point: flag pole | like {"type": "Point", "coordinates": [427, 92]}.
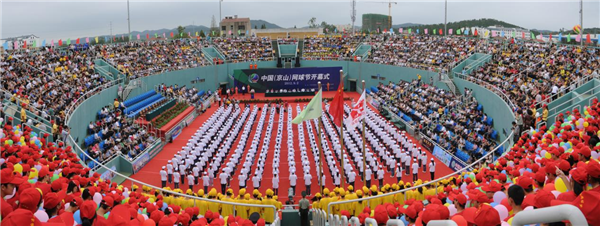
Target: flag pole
{"type": "Point", "coordinates": [320, 148]}
{"type": "Point", "coordinates": [342, 130]}
{"type": "Point", "coordinates": [363, 138]}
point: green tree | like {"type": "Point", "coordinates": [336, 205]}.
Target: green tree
{"type": "Point", "coordinates": [255, 27]}
{"type": "Point", "coordinates": [312, 23]}
{"type": "Point", "coordinates": [263, 26]}
{"type": "Point", "coordinates": [327, 28]}
{"type": "Point", "coordinates": [202, 33]}
{"type": "Point", "coordinates": [180, 30]}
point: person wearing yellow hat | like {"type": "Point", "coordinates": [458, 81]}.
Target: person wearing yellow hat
{"type": "Point", "coordinates": [213, 206]}
{"type": "Point", "coordinates": [269, 214]}
{"type": "Point", "coordinates": [256, 200]}
{"type": "Point", "coordinates": [242, 211]}
{"type": "Point", "coordinates": [316, 201]}
{"type": "Point", "coordinates": [202, 205]}
{"type": "Point", "coordinates": [227, 209]}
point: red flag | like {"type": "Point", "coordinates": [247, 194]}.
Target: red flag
{"type": "Point", "coordinates": [60, 42]}
{"type": "Point", "coordinates": [358, 110]}
{"type": "Point", "coordinates": [336, 109]}
{"type": "Point", "coordinates": [550, 39]}
{"type": "Point", "coordinates": [24, 44]}
{"type": "Point", "coordinates": [147, 36]}
{"type": "Point", "coordinates": [441, 32]}
{"type": "Point", "coordinates": [588, 39]}
{"type": "Point", "coordinates": [77, 42]}
{"type": "Point", "coordinates": [476, 34]}
{"type": "Point", "coordinates": [171, 34]}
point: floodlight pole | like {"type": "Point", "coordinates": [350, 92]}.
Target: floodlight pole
{"type": "Point", "coordinates": [128, 22]}
{"type": "Point", "coordinates": [581, 22]}
{"type": "Point", "coordinates": [446, 17]}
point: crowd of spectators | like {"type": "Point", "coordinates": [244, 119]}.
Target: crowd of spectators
{"type": "Point", "coordinates": [422, 52]}
{"type": "Point", "coordinates": [453, 122]}
{"type": "Point", "coordinates": [245, 49]}
{"type": "Point", "coordinates": [329, 47]}
{"type": "Point", "coordinates": [533, 74]}
{"type": "Point", "coordinates": [113, 133]}
{"type": "Point", "coordinates": [139, 59]}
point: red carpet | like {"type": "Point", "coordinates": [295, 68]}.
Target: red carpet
{"type": "Point", "coordinates": [150, 172]}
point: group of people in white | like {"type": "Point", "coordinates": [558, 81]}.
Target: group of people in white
{"type": "Point", "coordinates": [388, 152]}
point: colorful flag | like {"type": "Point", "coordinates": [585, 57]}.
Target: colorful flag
{"type": "Point", "coordinates": [77, 41]}
{"type": "Point", "coordinates": [550, 39]}
{"type": "Point", "coordinates": [44, 43]}
{"type": "Point", "coordinates": [578, 38]}
{"type": "Point", "coordinates": [138, 37]}
{"type": "Point", "coordinates": [199, 35]}
{"type": "Point", "coordinates": [502, 34]}
{"type": "Point", "coordinates": [213, 32]}
{"type": "Point", "coordinates": [5, 45]}
{"type": "Point", "coordinates": [313, 110]}
{"type": "Point", "coordinates": [16, 45]}
{"type": "Point", "coordinates": [441, 32]}
{"type": "Point", "coordinates": [560, 37]}
{"type": "Point", "coordinates": [417, 31]}
{"type": "Point", "coordinates": [523, 35]}
{"type": "Point", "coordinates": [486, 33]}
{"type": "Point", "coordinates": [96, 39]}
{"type": "Point", "coordinates": [87, 39]}
{"type": "Point", "coordinates": [129, 38]}
{"type": "Point", "coordinates": [336, 109]}
{"type": "Point", "coordinates": [569, 38]}
{"type": "Point", "coordinates": [190, 34]}
{"type": "Point", "coordinates": [171, 34]}
{"type": "Point", "coordinates": [467, 31]}
{"type": "Point", "coordinates": [34, 43]}
{"type": "Point", "coordinates": [164, 35]}
{"type": "Point", "coordinates": [147, 35]}
{"type": "Point", "coordinates": [24, 44]}
{"type": "Point", "coordinates": [514, 34]}
{"type": "Point", "coordinates": [476, 34]}
{"type": "Point", "coordinates": [458, 31]}
{"type": "Point", "coordinates": [434, 31]}
{"type": "Point", "coordinates": [69, 41]}
{"type": "Point", "coordinates": [358, 110]}
{"type": "Point", "coordinates": [410, 30]}
{"type": "Point", "coordinates": [52, 43]}
{"type": "Point", "coordinates": [532, 35]}
{"type": "Point", "coordinates": [450, 31]}
{"type": "Point", "coordinates": [400, 30]}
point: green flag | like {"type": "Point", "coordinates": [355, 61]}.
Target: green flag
{"type": "Point", "coordinates": [458, 31]}
{"type": "Point", "coordinates": [569, 38]}
{"type": "Point", "coordinates": [129, 38]}
{"type": "Point", "coordinates": [532, 35]}
{"type": "Point", "coordinates": [513, 34]}
{"type": "Point", "coordinates": [69, 41]}
{"type": "Point", "coordinates": [213, 32]}
{"type": "Point", "coordinates": [34, 43]}
{"type": "Point", "coordinates": [434, 31]}
{"type": "Point", "coordinates": [155, 35]}
{"type": "Point", "coordinates": [313, 110]}
{"type": "Point", "coordinates": [409, 30]}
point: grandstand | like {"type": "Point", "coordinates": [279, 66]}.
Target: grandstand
{"type": "Point", "coordinates": [457, 131]}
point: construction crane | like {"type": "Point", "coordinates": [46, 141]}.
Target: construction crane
{"type": "Point", "coordinates": [389, 11]}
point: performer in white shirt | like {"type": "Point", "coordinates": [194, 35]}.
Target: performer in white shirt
{"type": "Point", "coordinates": [242, 180]}
{"type": "Point", "coordinates": [399, 172]}
{"type": "Point", "coordinates": [351, 178]}
{"type": "Point", "coordinates": [415, 169]}
{"type": "Point", "coordinates": [275, 184]}
{"type": "Point", "coordinates": [380, 176]}
{"type": "Point", "coordinates": [432, 169]}
{"type": "Point", "coordinates": [176, 178]}
{"type": "Point", "coordinates": [307, 182]}
{"type": "Point", "coordinates": [163, 177]}
{"type": "Point", "coordinates": [293, 179]}
{"type": "Point", "coordinates": [368, 174]}
{"type": "Point", "coordinates": [223, 177]}
{"type": "Point", "coordinates": [170, 172]}
{"type": "Point", "coordinates": [191, 183]}
{"type": "Point", "coordinates": [205, 181]}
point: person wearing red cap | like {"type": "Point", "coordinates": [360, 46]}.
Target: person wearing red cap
{"type": "Point", "coordinates": [51, 204]}
{"type": "Point", "coordinates": [30, 200]}
{"type": "Point", "coordinates": [460, 202]}
{"type": "Point", "coordinates": [44, 180]}
{"type": "Point", "coordinates": [486, 215]}
{"type": "Point", "coordinates": [9, 181]}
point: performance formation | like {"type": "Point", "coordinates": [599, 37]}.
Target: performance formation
{"type": "Point", "coordinates": [413, 125]}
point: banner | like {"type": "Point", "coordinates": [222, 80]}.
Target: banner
{"type": "Point", "coordinates": [140, 162]}
{"type": "Point", "coordinates": [426, 143]}
{"type": "Point", "coordinates": [276, 79]}
{"type": "Point", "coordinates": [456, 165]}
{"type": "Point", "coordinates": [108, 175]}
{"type": "Point", "coordinates": [441, 155]}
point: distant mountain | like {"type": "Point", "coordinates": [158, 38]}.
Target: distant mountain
{"type": "Point", "coordinates": [259, 23]}
{"type": "Point", "coordinates": [484, 22]}
{"type": "Point", "coordinates": [405, 25]}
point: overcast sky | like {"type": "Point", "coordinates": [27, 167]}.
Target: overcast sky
{"type": "Point", "coordinates": [71, 19]}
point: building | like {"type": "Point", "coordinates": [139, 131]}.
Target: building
{"type": "Point", "coordinates": [344, 27]}
{"type": "Point", "coordinates": [296, 33]}
{"type": "Point", "coordinates": [21, 40]}
{"type": "Point", "coordinates": [372, 22]}
{"type": "Point", "coordinates": [235, 27]}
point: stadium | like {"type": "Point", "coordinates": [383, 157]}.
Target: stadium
{"type": "Point", "coordinates": [402, 126]}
